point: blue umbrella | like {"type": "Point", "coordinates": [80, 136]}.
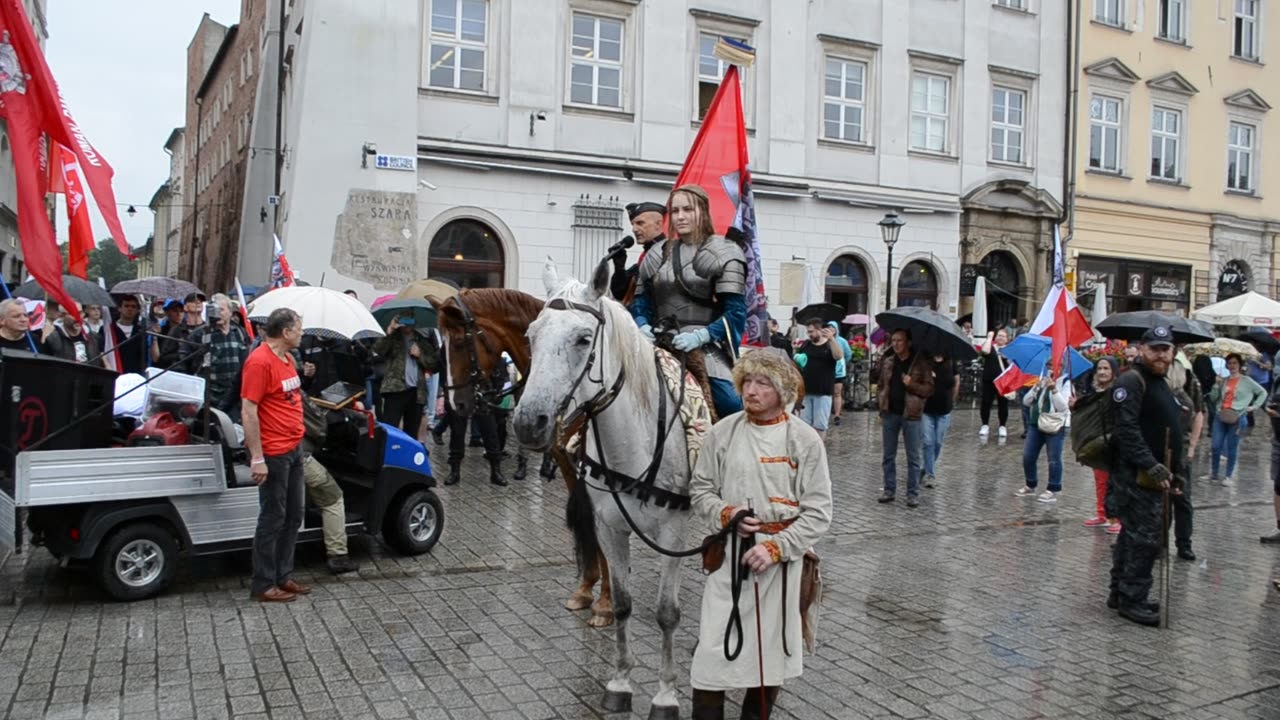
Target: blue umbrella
{"type": "Point", "coordinates": [1031, 354]}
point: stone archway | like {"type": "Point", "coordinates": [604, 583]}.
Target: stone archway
{"type": "Point", "coordinates": [468, 253]}
{"type": "Point", "coordinates": [918, 285]}
{"type": "Point", "coordinates": [1000, 268]}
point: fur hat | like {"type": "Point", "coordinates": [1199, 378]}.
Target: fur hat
{"type": "Point", "coordinates": [773, 364]}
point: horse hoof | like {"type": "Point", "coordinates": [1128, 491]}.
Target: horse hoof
{"type": "Point", "coordinates": [616, 702]}
{"type": "Point", "coordinates": [664, 712]}
{"type": "Point", "coordinates": [599, 620]}
{"type": "Point", "coordinates": [578, 601]}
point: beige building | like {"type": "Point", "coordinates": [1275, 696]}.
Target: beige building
{"type": "Point", "coordinates": [1174, 117]}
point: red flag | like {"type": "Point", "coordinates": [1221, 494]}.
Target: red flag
{"type": "Point", "coordinates": [1012, 380]}
{"type": "Point", "coordinates": [1060, 319]}
{"type": "Point", "coordinates": [718, 159]}
{"type": "Point", "coordinates": [31, 103]}
{"type": "Point", "coordinates": [67, 181]}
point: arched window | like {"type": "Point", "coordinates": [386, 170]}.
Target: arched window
{"type": "Point", "coordinates": [1233, 280]}
{"type": "Point", "coordinates": [469, 253]}
{"type": "Point", "coordinates": [1003, 280]}
{"type": "Point", "coordinates": [846, 284]}
{"type": "Point", "coordinates": [917, 285]}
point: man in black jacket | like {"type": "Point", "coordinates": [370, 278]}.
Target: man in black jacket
{"type": "Point", "coordinates": [128, 336]}
{"type": "Point", "coordinates": [646, 226]}
{"type": "Point", "coordinates": [1147, 461]}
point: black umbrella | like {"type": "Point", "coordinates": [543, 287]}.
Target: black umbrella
{"type": "Point", "coordinates": [1262, 339]}
{"type": "Point", "coordinates": [82, 291]}
{"type": "Point", "coordinates": [1131, 325]}
{"type": "Point", "coordinates": [931, 332]}
{"type": "Point", "coordinates": [156, 287]}
{"type": "Point", "coordinates": [824, 311]}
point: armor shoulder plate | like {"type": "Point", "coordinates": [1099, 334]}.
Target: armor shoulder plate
{"type": "Point", "coordinates": [723, 262]}
{"type": "Point", "coordinates": [647, 269]}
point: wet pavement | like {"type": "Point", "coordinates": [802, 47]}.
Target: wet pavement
{"type": "Point", "coordinates": [975, 605]}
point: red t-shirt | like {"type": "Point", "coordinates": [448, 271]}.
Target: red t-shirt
{"type": "Point", "coordinates": [272, 382]}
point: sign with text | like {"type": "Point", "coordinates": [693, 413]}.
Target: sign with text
{"type": "Point", "coordinates": [396, 162]}
{"type": "Point", "coordinates": [968, 279]}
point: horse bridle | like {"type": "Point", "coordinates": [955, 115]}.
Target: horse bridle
{"type": "Point", "coordinates": [597, 403]}
{"type": "Point", "coordinates": [482, 385]}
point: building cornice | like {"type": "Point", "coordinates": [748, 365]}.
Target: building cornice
{"type": "Point", "coordinates": [1173, 82]}
{"type": "Point", "coordinates": [848, 42]}
{"type": "Point", "coordinates": [714, 16]}
{"type": "Point", "coordinates": [1168, 213]}
{"type": "Point", "coordinates": [1247, 99]}
{"type": "Point", "coordinates": [1112, 68]}
{"type": "Point", "coordinates": [934, 57]}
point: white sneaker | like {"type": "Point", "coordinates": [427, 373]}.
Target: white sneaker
{"type": "Point", "coordinates": [1003, 433]}
{"type": "Point", "coordinates": [1048, 496]}
{"type": "Point", "coordinates": [1024, 492]}
{"type": "Point", "coordinates": [984, 431]}
{"type": "Point", "coordinates": [1226, 481]}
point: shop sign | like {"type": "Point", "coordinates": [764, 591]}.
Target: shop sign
{"type": "Point", "coordinates": [968, 279]}
{"type": "Point", "coordinates": [1135, 283]}
{"type": "Point", "coordinates": [1233, 280]}
{"type": "Point", "coordinates": [1166, 287]}
{"type": "Point", "coordinates": [1090, 279]}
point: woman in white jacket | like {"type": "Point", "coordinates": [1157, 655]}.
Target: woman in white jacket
{"type": "Point", "coordinates": [1048, 429]}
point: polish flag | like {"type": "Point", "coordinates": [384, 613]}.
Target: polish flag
{"type": "Point", "coordinates": [1012, 380]}
{"type": "Point", "coordinates": [1060, 319]}
{"type": "Point", "coordinates": [244, 309]}
{"type": "Point", "coordinates": [281, 273]}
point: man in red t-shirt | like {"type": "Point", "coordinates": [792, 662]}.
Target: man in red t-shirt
{"type": "Point", "coordinates": [273, 429]}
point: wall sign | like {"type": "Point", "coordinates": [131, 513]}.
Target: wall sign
{"type": "Point", "coordinates": [968, 279]}
{"type": "Point", "coordinates": [1135, 283]}
{"type": "Point", "coordinates": [396, 162]}
{"type": "Point", "coordinates": [1233, 280]}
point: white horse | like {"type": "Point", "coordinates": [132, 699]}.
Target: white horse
{"type": "Point", "coordinates": [589, 356]}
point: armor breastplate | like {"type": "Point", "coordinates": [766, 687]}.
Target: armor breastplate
{"type": "Point", "coordinates": [688, 298]}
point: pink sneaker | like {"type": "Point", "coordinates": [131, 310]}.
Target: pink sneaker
{"type": "Point", "coordinates": [1114, 528]}
{"type": "Point", "coordinates": [1097, 521]}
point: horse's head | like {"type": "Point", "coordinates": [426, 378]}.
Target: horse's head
{"type": "Point", "coordinates": [471, 352]}
{"type": "Point", "coordinates": [578, 340]}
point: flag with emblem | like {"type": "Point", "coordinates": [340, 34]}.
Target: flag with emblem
{"type": "Point", "coordinates": [1060, 319]}
{"type": "Point", "coordinates": [719, 163]}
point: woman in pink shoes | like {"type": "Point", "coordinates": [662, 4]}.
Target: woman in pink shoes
{"type": "Point", "coordinates": [1104, 375]}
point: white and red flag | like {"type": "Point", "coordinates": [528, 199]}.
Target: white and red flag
{"type": "Point", "coordinates": [281, 273]}
{"type": "Point", "coordinates": [1060, 319]}
{"type": "Point", "coordinates": [244, 309]}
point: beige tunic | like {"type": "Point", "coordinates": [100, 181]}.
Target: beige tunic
{"type": "Point", "coordinates": [782, 470]}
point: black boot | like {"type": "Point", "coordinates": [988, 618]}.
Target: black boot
{"type": "Point", "coordinates": [495, 473]}
{"type": "Point", "coordinates": [751, 709]}
{"type": "Point", "coordinates": [522, 467]}
{"type": "Point", "coordinates": [708, 705]}
{"type": "Point", "coordinates": [1141, 613]}
{"type": "Point", "coordinates": [455, 473]}
{"type": "Point", "coordinates": [1114, 600]}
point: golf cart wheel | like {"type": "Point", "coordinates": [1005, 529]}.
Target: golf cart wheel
{"type": "Point", "coordinates": [415, 522]}
{"type": "Point", "coordinates": [138, 561]}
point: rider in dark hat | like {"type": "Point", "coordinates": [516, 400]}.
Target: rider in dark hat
{"type": "Point", "coordinates": [646, 224]}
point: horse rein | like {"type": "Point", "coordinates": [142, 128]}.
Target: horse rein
{"type": "Point", "coordinates": [482, 386]}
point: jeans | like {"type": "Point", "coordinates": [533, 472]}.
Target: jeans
{"type": "Point", "coordinates": [816, 411]}
{"type": "Point", "coordinates": [724, 397]}
{"type": "Point", "coordinates": [1226, 441]}
{"type": "Point", "coordinates": [279, 517]}
{"type": "Point", "coordinates": [1031, 457]}
{"type": "Point", "coordinates": [890, 426]}
{"type": "Point", "coordinates": [433, 388]}
{"type": "Point", "coordinates": [934, 429]}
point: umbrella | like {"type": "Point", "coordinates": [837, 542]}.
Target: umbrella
{"type": "Point", "coordinates": [82, 291]}
{"type": "Point", "coordinates": [380, 301]}
{"type": "Point", "coordinates": [931, 331]}
{"type": "Point", "coordinates": [1031, 353]}
{"type": "Point", "coordinates": [826, 312]}
{"type": "Point", "coordinates": [156, 287]}
{"type": "Point", "coordinates": [1223, 347]}
{"type": "Point", "coordinates": [811, 290]}
{"type": "Point", "coordinates": [424, 316]}
{"type": "Point", "coordinates": [856, 319]}
{"type": "Point", "coordinates": [1243, 310]}
{"type": "Point", "coordinates": [980, 319]}
{"type": "Point", "coordinates": [325, 312]}
{"type": "Point", "coordinates": [1262, 339]}
{"type": "Point", "coordinates": [1131, 325]}
{"type": "Point", "coordinates": [1099, 310]}
{"type": "Point", "coordinates": [420, 289]}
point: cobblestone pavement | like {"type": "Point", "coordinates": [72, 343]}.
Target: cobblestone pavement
{"type": "Point", "coordinates": [975, 605]}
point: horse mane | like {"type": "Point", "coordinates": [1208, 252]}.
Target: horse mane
{"type": "Point", "coordinates": [496, 303]}
{"type": "Point", "coordinates": [625, 343]}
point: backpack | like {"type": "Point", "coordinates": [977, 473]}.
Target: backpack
{"type": "Point", "coordinates": [1091, 423]}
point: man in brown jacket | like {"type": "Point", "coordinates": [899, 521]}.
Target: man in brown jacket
{"type": "Point", "coordinates": [906, 381]}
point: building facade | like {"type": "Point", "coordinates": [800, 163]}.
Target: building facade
{"type": "Point", "coordinates": [222, 81]}
{"type": "Point", "coordinates": [1174, 118]}
{"type": "Point", "coordinates": [167, 206]}
{"type": "Point", "coordinates": [479, 137]}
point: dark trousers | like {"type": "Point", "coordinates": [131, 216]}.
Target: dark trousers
{"type": "Point", "coordinates": [1135, 552]}
{"type": "Point", "coordinates": [1182, 511]}
{"type": "Point", "coordinates": [402, 406]}
{"type": "Point", "coordinates": [279, 516]}
{"type": "Point", "coordinates": [458, 436]}
{"type": "Point", "coordinates": [989, 396]}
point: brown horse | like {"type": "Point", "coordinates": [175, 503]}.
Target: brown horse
{"type": "Point", "coordinates": [478, 326]}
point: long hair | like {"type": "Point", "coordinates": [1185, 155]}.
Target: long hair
{"type": "Point", "coordinates": [701, 205]}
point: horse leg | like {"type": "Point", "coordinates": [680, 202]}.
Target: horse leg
{"type": "Point", "coordinates": [617, 547]}
{"type": "Point", "coordinates": [666, 704]}
{"type": "Point", "coordinates": [602, 609]}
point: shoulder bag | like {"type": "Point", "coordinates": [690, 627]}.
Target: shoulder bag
{"type": "Point", "coordinates": [1049, 422]}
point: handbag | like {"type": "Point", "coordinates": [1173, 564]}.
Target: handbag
{"type": "Point", "coordinates": [1049, 422]}
{"type": "Point", "coordinates": [1228, 416]}
{"type": "Point", "coordinates": [1000, 359]}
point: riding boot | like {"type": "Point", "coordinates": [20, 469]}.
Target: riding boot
{"type": "Point", "coordinates": [708, 704]}
{"type": "Point", "coordinates": [495, 472]}
{"type": "Point", "coordinates": [751, 703]}
{"type": "Point", "coordinates": [455, 473]}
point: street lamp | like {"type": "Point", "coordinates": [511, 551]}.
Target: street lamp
{"type": "Point", "coordinates": [890, 226]}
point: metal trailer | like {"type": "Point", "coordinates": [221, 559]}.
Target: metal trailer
{"type": "Point", "coordinates": [130, 514]}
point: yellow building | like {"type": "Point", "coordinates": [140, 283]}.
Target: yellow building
{"type": "Point", "coordinates": [1176, 203]}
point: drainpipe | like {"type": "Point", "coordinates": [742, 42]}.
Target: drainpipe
{"type": "Point", "coordinates": [275, 219]}
{"type": "Point", "coordinates": [1074, 31]}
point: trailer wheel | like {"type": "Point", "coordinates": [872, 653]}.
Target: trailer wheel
{"type": "Point", "coordinates": [137, 561]}
{"type": "Point", "coordinates": [414, 522]}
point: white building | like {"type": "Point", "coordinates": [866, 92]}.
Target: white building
{"type": "Point", "coordinates": [533, 121]}
{"type": "Point", "coordinates": [168, 208]}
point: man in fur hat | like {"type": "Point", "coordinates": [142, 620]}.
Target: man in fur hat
{"type": "Point", "coordinates": [771, 462]}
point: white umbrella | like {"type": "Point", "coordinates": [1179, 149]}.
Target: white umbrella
{"type": "Point", "coordinates": [980, 308]}
{"type": "Point", "coordinates": [325, 312]}
{"type": "Point", "coordinates": [811, 291]}
{"type": "Point", "coordinates": [1244, 310]}
{"type": "Point", "coordinates": [1099, 312]}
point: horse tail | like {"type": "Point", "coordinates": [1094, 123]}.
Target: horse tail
{"type": "Point", "coordinates": [580, 518]}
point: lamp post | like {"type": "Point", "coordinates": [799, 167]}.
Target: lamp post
{"type": "Point", "coordinates": [890, 226]}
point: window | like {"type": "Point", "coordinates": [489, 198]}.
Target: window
{"type": "Point", "coordinates": [459, 37]}
{"type": "Point", "coordinates": [1240, 141]}
{"type": "Point", "coordinates": [596, 72]}
{"type": "Point", "coordinates": [1173, 20]}
{"type": "Point", "coordinates": [1246, 30]}
{"type": "Point", "coordinates": [1104, 134]}
{"type": "Point", "coordinates": [1015, 4]}
{"type": "Point", "coordinates": [844, 97]}
{"type": "Point", "coordinates": [1110, 12]}
{"type": "Point", "coordinates": [711, 70]}
{"type": "Point", "coordinates": [930, 105]}
{"type": "Point", "coordinates": [1166, 126]}
{"type": "Point", "coordinates": [1008, 123]}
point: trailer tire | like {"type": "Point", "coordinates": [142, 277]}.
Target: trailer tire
{"type": "Point", "coordinates": [137, 561]}
{"type": "Point", "coordinates": [414, 522]}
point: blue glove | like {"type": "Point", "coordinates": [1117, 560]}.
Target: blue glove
{"type": "Point", "coordinates": [684, 342]}
{"type": "Point", "coordinates": [647, 331]}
